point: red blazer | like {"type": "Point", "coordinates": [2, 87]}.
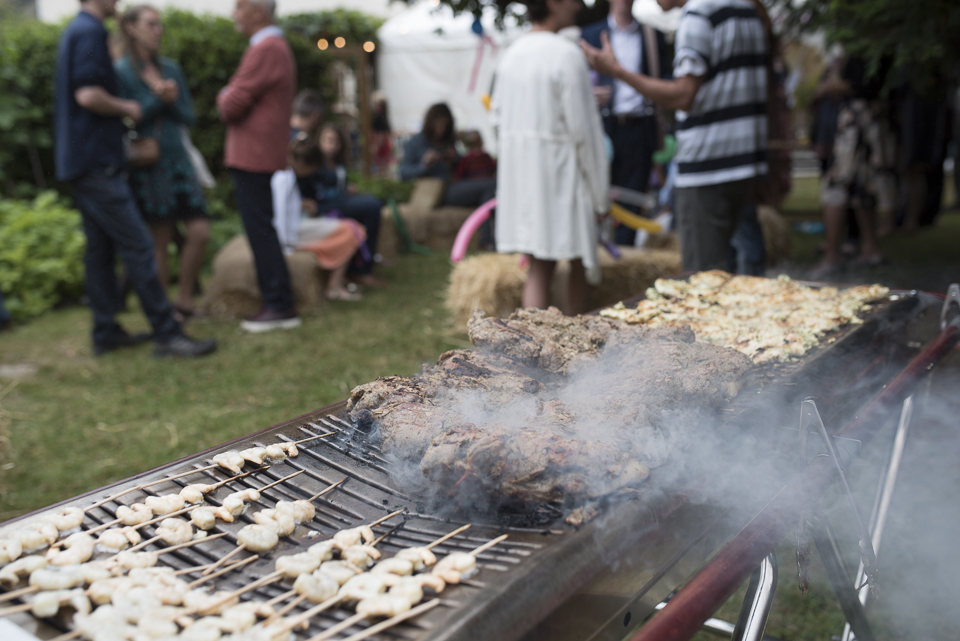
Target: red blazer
{"type": "Point", "coordinates": [256, 106]}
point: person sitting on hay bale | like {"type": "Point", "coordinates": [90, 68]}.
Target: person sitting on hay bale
{"type": "Point", "coordinates": [332, 240]}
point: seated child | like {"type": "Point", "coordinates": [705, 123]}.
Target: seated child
{"type": "Point", "coordinates": [330, 192]}
{"type": "Point", "coordinates": [331, 240]}
{"type": "Point", "coordinates": [476, 163]}
{"type": "Point", "coordinates": [307, 113]}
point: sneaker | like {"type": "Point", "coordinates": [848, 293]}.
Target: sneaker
{"type": "Point", "coordinates": [184, 347]}
{"type": "Point", "coordinates": [121, 338]}
{"type": "Point", "coordinates": [268, 320]}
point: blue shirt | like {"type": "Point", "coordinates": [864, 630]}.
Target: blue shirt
{"type": "Point", "coordinates": [82, 139]}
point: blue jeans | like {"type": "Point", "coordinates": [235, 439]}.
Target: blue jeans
{"type": "Point", "coordinates": [113, 226]}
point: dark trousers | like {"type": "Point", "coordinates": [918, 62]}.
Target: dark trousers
{"type": "Point", "coordinates": [255, 202]}
{"type": "Point", "coordinates": [113, 225]}
{"type": "Point", "coordinates": [747, 255]}
{"type": "Point", "coordinates": [366, 210]}
{"type": "Point", "coordinates": [707, 217]}
{"type": "Point", "coordinates": [634, 141]}
{"type": "Point", "coordinates": [473, 193]}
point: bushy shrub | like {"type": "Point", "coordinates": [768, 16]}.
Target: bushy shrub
{"type": "Point", "coordinates": [28, 52]}
{"type": "Point", "coordinates": [41, 254]}
{"type": "Point", "coordinates": [207, 47]}
{"type": "Point", "coordinates": [354, 26]}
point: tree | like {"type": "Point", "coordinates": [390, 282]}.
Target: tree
{"type": "Point", "coordinates": [920, 35]}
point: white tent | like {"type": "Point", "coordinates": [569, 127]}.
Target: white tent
{"type": "Point", "coordinates": [428, 55]}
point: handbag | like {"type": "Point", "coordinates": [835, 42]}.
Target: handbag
{"type": "Point", "coordinates": [142, 151]}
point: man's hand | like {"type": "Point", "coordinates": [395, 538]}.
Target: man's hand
{"type": "Point", "coordinates": [309, 206]}
{"type": "Point", "coordinates": [602, 95]}
{"type": "Point", "coordinates": [602, 60]}
{"type": "Point", "coordinates": [133, 110]}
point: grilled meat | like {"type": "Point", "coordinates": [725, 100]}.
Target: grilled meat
{"type": "Point", "coordinates": [560, 414]}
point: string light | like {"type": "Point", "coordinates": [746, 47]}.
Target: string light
{"type": "Point", "coordinates": [322, 44]}
{"type": "Point", "coordinates": [339, 42]}
{"type": "Point", "coordinates": [369, 46]}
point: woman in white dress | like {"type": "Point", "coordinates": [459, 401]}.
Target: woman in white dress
{"type": "Point", "coordinates": [553, 172]}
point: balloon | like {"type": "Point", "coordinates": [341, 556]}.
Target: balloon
{"type": "Point", "coordinates": [469, 227]}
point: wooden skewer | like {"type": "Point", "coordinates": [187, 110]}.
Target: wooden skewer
{"type": "Point", "coordinates": [311, 438]}
{"type": "Point", "coordinates": [335, 630]}
{"type": "Point", "coordinates": [283, 597]}
{"type": "Point", "coordinates": [135, 527]}
{"type": "Point", "coordinates": [290, 624]}
{"type": "Point", "coordinates": [446, 537]}
{"type": "Point", "coordinates": [187, 544]}
{"type": "Point", "coordinates": [380, 538]}
{"type": "Point", "coordinates": [262, 581]}
{"type": "Point", "coordinates": [328, 489]}
{"type": "Point", "coordinates": [223, 570]}
{"type": "Point", "coordinates": [392, 621]}
{"type": "Point", "coordinates": [486, 546]}
{"type": "Point", "coordinates": [387, 517]}
{"type": "Point", "coordinates": [16, 593]}
{"type": "Point", "coordinates": [198, 568]}
{"type": "Point", "coordinates": [290, 606]}
{"type": "Point", "coordinates": [213, 566]}
{"type": "Point", "coordinates": [277, 482]}
{"type": "Point", "coordinates": [102, 526]}
{"type": "Point", "coordinates": [15, 609]}
{"type": "Point", "coordinates": [143, 544]}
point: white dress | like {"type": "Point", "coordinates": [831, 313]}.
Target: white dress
{"type": "Point", "coordinates": [552, 169]}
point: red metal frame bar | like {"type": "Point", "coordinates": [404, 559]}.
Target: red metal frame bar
{"type": "Point", "coordinates": [686, 612]}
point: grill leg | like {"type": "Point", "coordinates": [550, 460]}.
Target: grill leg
{"type": "Point", "coordinates": [758, 601]}
{"type": "Point", "coordinates": [843, 587]}
{"type": "Point", "coordinates": [881, 505]}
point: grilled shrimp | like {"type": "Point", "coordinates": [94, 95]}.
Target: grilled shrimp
{"type": "Point", "coordinates": [166, 504]}
{"type": "Point", "coordinates": [135, 514]}
{"type": "Point", "coordinates": [257, 538]}
{"type": "Point", "coordinates": [230, 461]}
{"type": "Point", "coordinates": [317, 587]}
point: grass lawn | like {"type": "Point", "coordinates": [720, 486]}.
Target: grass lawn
{"type": "Point", "coordinates": [73, 422]}
{"type": "Point", "coordinates": [80, 422]}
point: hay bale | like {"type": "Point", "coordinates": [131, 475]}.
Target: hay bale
{"type": "Point", "coordinates": [233, 291]}
{"type": "Point", "coordinates": [435, 228]}
{"type": "Point", "coordinates": [776, 235]}
{"type": "Point", "coordinates": [493, 283]}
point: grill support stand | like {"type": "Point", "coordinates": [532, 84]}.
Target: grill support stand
{"type": "Point", "coordinates": [758, 601]}
{"type": "Point", "coordinates": [686, 612]}
{"type": "Point", "coordinates": [881, 503]}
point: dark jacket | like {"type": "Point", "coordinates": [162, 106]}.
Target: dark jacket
{"type": "Point", "coordinates": [591, 33]}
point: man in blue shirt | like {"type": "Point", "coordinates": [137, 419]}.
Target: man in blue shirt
{"type": "Point", "coordinates": [88, 135]}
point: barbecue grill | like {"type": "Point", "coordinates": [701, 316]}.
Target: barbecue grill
{"type": "Point", "coordinates": [545, 581]}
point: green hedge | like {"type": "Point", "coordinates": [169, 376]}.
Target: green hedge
{"type": "Point", "coordinates": [208, 48]}
{"type": "Point", "coordinates": [41, 254]}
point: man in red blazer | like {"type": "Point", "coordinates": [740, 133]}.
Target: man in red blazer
{"type": "Point", "coordinates": [256, 107]}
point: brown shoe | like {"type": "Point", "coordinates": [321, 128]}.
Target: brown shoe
{"type": "Point", "coordinates": [370, 280]}
{"type": "Point", "coordinates": [268, 320]}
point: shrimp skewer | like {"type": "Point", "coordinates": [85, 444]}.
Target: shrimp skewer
{"type": "Point", "coordinates": [302, 596]}
{"type": "Point", "coordinates": [402, 603]}
{"type": "Point", "coordinates": [146, 485]}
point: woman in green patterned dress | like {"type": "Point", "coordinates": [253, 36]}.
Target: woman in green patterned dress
{"type": "Point", "coordinates": [167, 192]}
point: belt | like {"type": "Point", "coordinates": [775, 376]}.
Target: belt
{"type": "Point", "coordinates": [623, 119]}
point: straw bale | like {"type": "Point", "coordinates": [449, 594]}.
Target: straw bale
{"type": "Point", "coordinates": [435, 228]}
{"type": "Point", "coordinates": [493, 283]}
{"type": "Point", "coordinates": [776, 234]}
{"type": "Point", "coordinates": [488, 282]}
{"type": "Point", "coordinates": [667, 240]}
{"type": "Point", "coordinates": [233, 291]}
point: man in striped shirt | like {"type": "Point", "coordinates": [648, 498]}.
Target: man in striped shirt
{"type": "Point", "coordinates": [720, 92]}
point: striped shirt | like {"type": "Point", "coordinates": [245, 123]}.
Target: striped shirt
{"type": "Point", "coordinates": [723, 137]}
